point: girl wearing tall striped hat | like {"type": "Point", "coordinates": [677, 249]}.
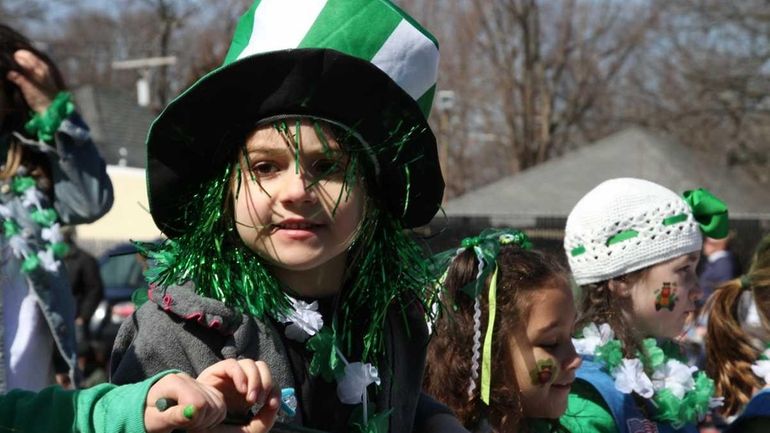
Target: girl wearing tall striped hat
{"type": "Point", "coordinates": [633, 247]}
{"type": "Point", "coordinates": [285, 180]}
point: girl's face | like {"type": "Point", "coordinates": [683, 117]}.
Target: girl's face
{"type": "Point", "coordinates": [543, 356]}
{"type": "Point", "coordinates": [664, 296]}
{"type": "Point", "coordinates": [285, 205]}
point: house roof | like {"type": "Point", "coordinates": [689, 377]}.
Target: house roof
{"type": "Point", "coordinates": [554, 187]}
{"type": "Point", "coordinates": [118, 125]}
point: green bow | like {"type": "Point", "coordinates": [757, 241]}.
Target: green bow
{"type": "Point", "coordinates": [709, 211]}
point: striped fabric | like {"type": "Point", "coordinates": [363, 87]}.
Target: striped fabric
{"type": "Point", "coordinates": [373, 30]}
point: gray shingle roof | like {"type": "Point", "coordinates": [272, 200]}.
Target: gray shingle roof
{"type": "Point", "coordinates": [554, 187]}
{"type": "Point", "coordinates": [116, 122]}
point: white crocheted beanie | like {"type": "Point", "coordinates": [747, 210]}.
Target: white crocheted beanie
{"type": "Point", "coordinates": [627, 224]}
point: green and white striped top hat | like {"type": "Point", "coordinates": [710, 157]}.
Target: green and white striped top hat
{"type": "Point", "coordinates": [363, 64]}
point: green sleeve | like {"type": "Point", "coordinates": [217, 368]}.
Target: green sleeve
{"type": "Point", "coordinates": [104, 408]}
{"type": "Point", "coordinates": [586, 411]}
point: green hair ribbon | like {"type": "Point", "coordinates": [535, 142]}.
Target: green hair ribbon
{"type": "Point", "coordinates": [709, 211]}
{"type": "Point", "coordinates": [486, 363]}
{"type": "Point", "coordinates": [486, 246]}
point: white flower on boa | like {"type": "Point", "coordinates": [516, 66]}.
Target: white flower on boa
{"type": "Point", "coordinates": [19, 246]}
{"type": "Point", "coordinates": [5, 212]}
{"type": "Point", "coordinates": [48, 261]}
{"type": "Point", "coordinates": [674, 376]}
{"type": "Point", "coordinates": [762, 367]}
{"type": "Point", "coordinates": [630, 377]}
{"type": "Point", "coordinates": [304, 321]}
{"type": "Point", "coordinates": [352, 387]}
{"type": "Point", "coordinates": [32, 197]}
{"type": "Point", "coordinates": [593, 337]}
{"type": "Point", "coordinates": [52, 234]}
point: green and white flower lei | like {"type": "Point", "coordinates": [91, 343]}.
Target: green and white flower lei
{"type": "Point", "coordinates": [305, 324]}
{"type": "Point", "coordinates": [23, 244]}
{"type": "Point", "coordinates": [680, 393]}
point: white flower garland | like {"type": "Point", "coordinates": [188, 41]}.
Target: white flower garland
{"type": "Point", "coordinates": [304, 322]}
{"type": "Point", "coordinates": [689, 386]}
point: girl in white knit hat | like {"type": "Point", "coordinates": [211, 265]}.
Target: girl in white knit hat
{"type": "Point", "coordinates": [633, 247]}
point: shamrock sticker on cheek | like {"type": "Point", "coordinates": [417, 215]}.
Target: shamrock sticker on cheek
{"type": "Point", "coordinates": [666, 297]}
{"type": "Point", "coordinates": [543, 372]}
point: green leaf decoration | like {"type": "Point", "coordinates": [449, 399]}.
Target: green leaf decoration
{"type": "Point", "coordinates": [44, 217]}
{"type": "Point", "coordinates": [10, 228]}
{"type": "Point", "coordinates": [30, 264]}
{"type": "Point", "coordinates": [654, 355]}
{"type": "Point", "coordinates": [139, 297]}
{"type": "Point", "coordinates": [325, 361]}
{"type": "Point", "coordinates": [45, 125]}
{"type": "Point", "coordinates": [669, 407]}
{"type": "Point", "coordinates": [377, 423]}
{"type": "Point", "coordinates": [610, 354]}
{"type": "Point", "coordinates": [60, 249]}
{"type": "Point", "coordinates": [19, 184]}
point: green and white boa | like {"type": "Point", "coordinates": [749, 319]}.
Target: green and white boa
{"type": "Point", "coordinates": [681, 394]}
{"type": "Point", "coordinates": [23, 244]}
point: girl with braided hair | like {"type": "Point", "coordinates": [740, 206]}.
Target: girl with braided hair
{"type": "Point", "coordinates": [633, 247]}
{"type": "Point", "coordinates": [520, 308]}
{"type": "Point", "coordinates": [737, 341]}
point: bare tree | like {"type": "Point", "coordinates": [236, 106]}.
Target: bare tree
{"type": "Point", "coordinates": [526, 76]}
{"type": "Point", "coordinates": [706, 80]}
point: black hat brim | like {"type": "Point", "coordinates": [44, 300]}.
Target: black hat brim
{"type": "Point", "coordinates": [193, 137]}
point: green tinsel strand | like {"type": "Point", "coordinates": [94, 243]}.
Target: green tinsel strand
{"type": "Point", "coordinates": [388, 267]}
{"type": "Point", "coordinates": [221, 269]}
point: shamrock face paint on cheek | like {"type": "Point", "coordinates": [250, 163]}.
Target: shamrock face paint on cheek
{"type": "Point", "coordinates": [544, 372]}
{"type": "Point", "coordinates": [666, 297]}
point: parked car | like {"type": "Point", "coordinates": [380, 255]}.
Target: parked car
{"type": "Point", "coordinates": [121, 268]}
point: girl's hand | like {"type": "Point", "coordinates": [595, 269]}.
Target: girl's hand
{"type": "Point", "coordinates": [199, 406]}
{"type": "Point", "coordinates": [243, 384]}
{"type": "Point", "coordinates": [36, 84]}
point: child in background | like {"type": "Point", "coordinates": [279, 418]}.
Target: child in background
{"type": "Point", "coordinates": [520, 305]}
{"type": "Point", "coordinates": [633, 247]}
{"type": "Point", "coordinates": [285, 180]}
{"type": "Point", "coordinates": [736, 342]}
{"type": "Point", "coordinates": [200, 404]}
{"type": "Point", "coordinates": [50, 174]}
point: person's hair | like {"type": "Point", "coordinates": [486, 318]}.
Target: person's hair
{"type": "Point", "coordinates": [729, 349]}
{"type": "Point", "coordinates": [448, 368]}
{"type": "Point", "coordinates": [598, 304]}
{"type": "Point", "coordinates": [17, 112]}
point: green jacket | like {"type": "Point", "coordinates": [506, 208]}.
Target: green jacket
{"type": "Point", "coordinates": [105, 408]}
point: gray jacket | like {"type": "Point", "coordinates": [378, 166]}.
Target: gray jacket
{"type": "Point", "coordinates": [179, 329]}
{"type": "Point", "coordinates": [82, 193]}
